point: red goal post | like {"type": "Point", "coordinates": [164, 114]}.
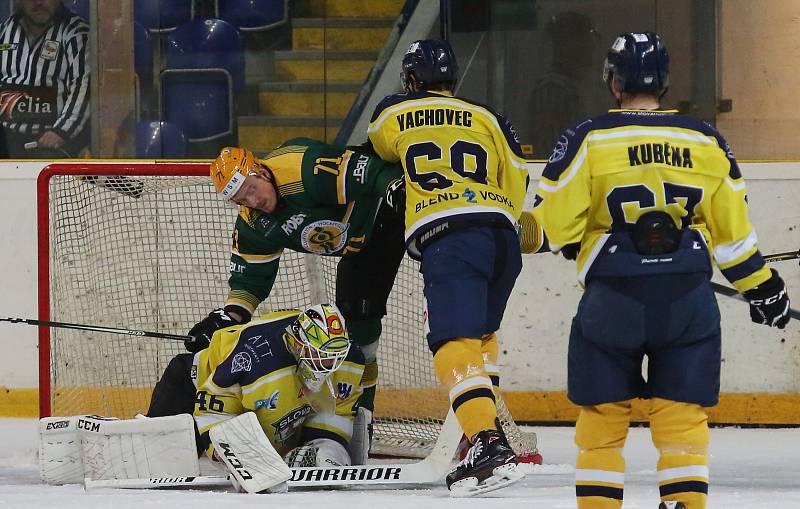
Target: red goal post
{"type": "Point", "coordinates": [43, 241]}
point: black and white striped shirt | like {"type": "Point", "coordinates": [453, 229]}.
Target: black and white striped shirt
{"type": "Point", "coordinates": [55, 64]}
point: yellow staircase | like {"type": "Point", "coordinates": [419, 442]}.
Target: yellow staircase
{"type": "Point", "coordinates": [334, 45]}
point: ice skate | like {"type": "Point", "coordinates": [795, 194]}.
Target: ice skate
{"type": "Point", "coordinates": [490, 464]}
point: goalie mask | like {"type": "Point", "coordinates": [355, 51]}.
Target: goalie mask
{"type": "Point", "coordinates": [319, 342]}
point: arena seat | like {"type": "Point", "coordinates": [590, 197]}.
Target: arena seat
{"type": "Point", "coordinates": [143, 55]}
{"type": "Point", "coordinates": [253, 15]}
{"type": "Point", "coordinates": [160, 140]}
{"type": "Point", "coordinates": [207, 43]}
{"type": "Point", "coordinates": [79, 7]}
{"type": "Point", "coordinates": [200, 101]}
{"type": "Point", "coordinates": [162, 15]}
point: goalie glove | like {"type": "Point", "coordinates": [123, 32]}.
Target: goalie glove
{"type": "Point", "coordinates": [769, 302]}
{"type": "Point", "coordinates": [320, 452]}
{"type": "Point", "coordinates": [202, 332]}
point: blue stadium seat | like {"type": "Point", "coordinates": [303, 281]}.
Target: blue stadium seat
{"type": "Point", "coordinates": [160, 140]}
{"type": "Point", "coordinates": [79, 7]}
{"type": "Point", "coordinates": [207, 43]}
{"type": "Point", "coordinates": [162, 15]}
{"type": "Point", "coordinates": [200, 101]}
{"type": "Point", "coordinates": [253, 14]}
{"type": "Point", "coordinates": [142, 55]}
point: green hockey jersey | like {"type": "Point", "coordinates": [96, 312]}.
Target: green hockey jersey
{"type": "Point", "coordinates": [330, 198]}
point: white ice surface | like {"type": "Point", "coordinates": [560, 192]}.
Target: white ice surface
{"type": "Point", "coordinates": [750, 468]}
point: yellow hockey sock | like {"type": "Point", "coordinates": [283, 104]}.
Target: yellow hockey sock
{"type": "Point", "coordinates": [600, 435]}
{"type": "Point", "coordinates": [489, 350]}
{"type": "Point", "coordinates": [459, 366]}
{"type": "Point", "coordinates": [680, 433]}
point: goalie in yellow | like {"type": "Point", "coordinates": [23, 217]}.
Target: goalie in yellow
{"type": "Point", "coordinates": [295, 370]}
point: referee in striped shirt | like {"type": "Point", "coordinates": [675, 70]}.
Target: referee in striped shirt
{"type": "Point", "coordinates": [44, 80]}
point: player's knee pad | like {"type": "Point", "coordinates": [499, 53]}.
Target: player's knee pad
{"type": "Point", "coordinates": [459, 366]}
{"type": "Point", "coordinates": [603, 426]}
{"type": "Point", "coordinates": [678, 427]}
{"type": "Point", "coordinates": [365, 333]}
{"type": "Point", "coordinates": [457, 360]}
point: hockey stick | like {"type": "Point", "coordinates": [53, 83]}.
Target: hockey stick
{"type": "Point", "coordinates": [97, 328]}
{"type": "Point", "coordinates": [734, 294]}
{"type": "Point", "coordinates": [431, 470]}
{"type": "Point", "coordinates": [780, 257]}
{"type": "Point", "coordinates": [198, 481]}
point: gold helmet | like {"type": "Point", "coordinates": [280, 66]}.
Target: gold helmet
{"type": "Point", "coordinates": [230, 169]}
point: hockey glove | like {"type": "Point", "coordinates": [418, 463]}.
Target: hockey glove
{"type": "Point", "coordinates": [769, 302]}
{"type": "Point", "coordinates": [201, 333]}
{"type": "Point", "coordinates": [396, 196]}
{"type": "Point", "coordinates": [570, 251]}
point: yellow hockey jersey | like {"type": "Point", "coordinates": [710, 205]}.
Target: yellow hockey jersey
{"type": "Point", "coordinates": [462, 162]}
{"type": "Point", "coordinates": [247, 368]}
{"type": "Point", "coordinates": [608, 171]}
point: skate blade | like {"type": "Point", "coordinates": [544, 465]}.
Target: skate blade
{"type": "Point", "coordinates": [502, 476]}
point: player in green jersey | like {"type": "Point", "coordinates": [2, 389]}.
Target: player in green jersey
{"type": "Point", "coordinates": [312, 197]}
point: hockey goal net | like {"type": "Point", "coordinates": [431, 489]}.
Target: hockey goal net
{"type": "Point", "coordinates": [145, 246]}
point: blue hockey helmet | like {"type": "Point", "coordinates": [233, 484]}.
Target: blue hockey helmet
{"type": "Point", "coordinates": [638, 63]}
{"type": "Point", "coordinates": [430, 61]}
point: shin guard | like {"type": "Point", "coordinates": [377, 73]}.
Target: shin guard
{"type": "Point", "coordinates": [680, 433]}
{"type": "Point", "coordinates": [459, 366]}
{"type": "Point", "coordinates": [600, 435]}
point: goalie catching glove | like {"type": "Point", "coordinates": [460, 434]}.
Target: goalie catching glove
{"type": "Point", "coordinates": [769, 302]}
{"type": "Point", "coordinates": [218, 319]}
{"type": "Point", "coordinates": [320, 452]}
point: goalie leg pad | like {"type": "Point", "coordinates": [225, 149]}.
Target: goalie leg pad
{"type": "Point", "coordinates": [360, 443]}
{"type": "Point", "coordinates": [240, 443]}
{"type": "Point", "coordinates": [60, 459]}
{"type": "Point", "coordinates": [320, 452]}
{"type": "Point", "coordinates": [138, 448]}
